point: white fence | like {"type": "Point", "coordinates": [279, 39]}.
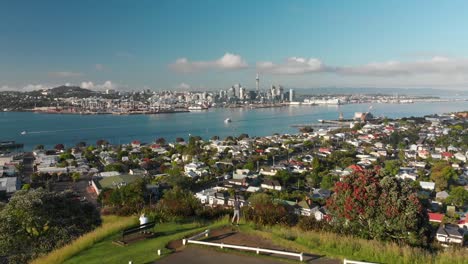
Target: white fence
{"type": "Point", "coordinates": [193, 240]}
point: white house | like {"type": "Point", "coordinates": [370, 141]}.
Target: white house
{"type": "Point", "coordinates": [271, 185]}
{"type": "Point", "coordinates": [195, 167]}
{"type": "Point", "coordinates": [427, 185]}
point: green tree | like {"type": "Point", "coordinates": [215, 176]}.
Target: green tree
{"type": "Point", "coordinates": [35, 222]}
{"type": "Point", "coordinates": [76, 176]}
{"type": "Point", "coordinates": [115, 167]}
{"type": "Point", "coordinates": [249, 165]}
{"type": "Point", "coordinates": [327, 182]}
{"type": "Point", "coordinates": [458, 197]}
{"type": "Point", "coordinates": [443, 174]}
{"type": "Point", "coordinates": [391, 167]}
{"type": "Point", "coordinates": [178, 202]}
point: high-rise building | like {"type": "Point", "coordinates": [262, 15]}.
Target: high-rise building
{"type": "Point", "coordinates": [280, 92]}
{"type": "Point", "coordinates": [232, 92]}
{"type": "Point", "coordinates": [291, 95]}
{"type": "Point", "coordinates": [257, 83]}
{"type": "Point", "coordinates": [242, 93]}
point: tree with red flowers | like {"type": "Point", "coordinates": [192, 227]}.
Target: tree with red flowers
{"type": "Point", "coordinates": [366, 205]}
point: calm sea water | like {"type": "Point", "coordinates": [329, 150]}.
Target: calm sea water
{"type": "Point", "coordinates": [51, 129]}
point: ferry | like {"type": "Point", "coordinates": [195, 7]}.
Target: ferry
{"type": "Point", "coordinates": [23, 133]}
{"type": "Point", "coordinates": [227, 120]}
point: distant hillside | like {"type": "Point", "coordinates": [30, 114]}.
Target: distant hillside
{"type": "Point", "coordinates": [70, 91]}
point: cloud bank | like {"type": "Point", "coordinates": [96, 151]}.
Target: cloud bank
{"type": "Point", "coordinates": [435, 65]}
{"type": "Point", "coordinates": [292, 66]}
{"type": "Point", "coordinates": [228, 61]}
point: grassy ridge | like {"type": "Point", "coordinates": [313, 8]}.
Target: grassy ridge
{"type": "Point", "coordinates": [95, 247]}
{"type": "Point", "coordinates": [144, 251]}
{"type": "Point", "coordinates": [111, 225]}
{"type": "Point", "coordinates": [335, 245]}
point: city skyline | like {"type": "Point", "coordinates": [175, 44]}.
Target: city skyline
{"type": "Point", "coordinates": [175, 45]}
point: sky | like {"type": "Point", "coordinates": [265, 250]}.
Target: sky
{"type": "Point", "coordinates": [212, 44]}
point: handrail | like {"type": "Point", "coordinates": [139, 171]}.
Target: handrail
{"type": "Point", "coordinates": [256, 249]}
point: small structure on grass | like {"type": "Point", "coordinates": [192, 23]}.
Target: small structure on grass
{"type": "Point", "coordinates": [137, 233]}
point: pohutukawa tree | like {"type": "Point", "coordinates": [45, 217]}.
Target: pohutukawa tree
{"type": "Point", "coordinates": [384, 208]}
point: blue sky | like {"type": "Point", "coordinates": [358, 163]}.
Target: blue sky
{"type": "Point", "coordinates": [213, 44]}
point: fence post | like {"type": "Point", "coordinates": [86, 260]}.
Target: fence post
{"type": "Point", "coordinates": [258, 251]}
{"type": "Point", "coordinates": [159, 252]}
{"type": "Point", "coordinates": [221, 246]}
{"type": "Point", "coordinates": [184, 241]}
{"type": "Point", "coordinates": [207, 232]}
{"type": "Point", "coordinates": [301, 257]}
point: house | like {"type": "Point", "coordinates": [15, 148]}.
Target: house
{"type": "Point", "coordinates": [9, 185]}
{"type": "Point", "coordinates": [108, 174]}
{"type": "Point", "coordinates": [240, 174]}
{"type": "Point", "coordinates": [427, 185]}
{"type": "Point", "coordinates": [406, 175]}
{"type": "Point", "coordinates": [435, 217]}
{"type": "Point", "coordinates": [196, 167]}
{"type": "Point", "coordinates": [306, 207]}
{"type": "Point", "coordinates": [217, 199]}
{"type": "Point", "coordinates": [271, 185]}
{"type": "Point", "coordinates": [460, 156]}
{"type": "Point", "coordinates": [446, 155]}
{"type": "Point", "coordinates": [440, 196]}
{"type": "Point", "coordinates": [204, 195]}
{"type": "Point", "coordinates": [136, 143]}
{"type": "Point", "coordinates": [450, 233]}
{"type": "Point", "coordinates": [321, 194]}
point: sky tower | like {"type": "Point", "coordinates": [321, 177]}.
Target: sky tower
{"type": "Point", "coordinates": [257, 82]}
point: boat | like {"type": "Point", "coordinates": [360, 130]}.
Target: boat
{"type": "Point", "coordinates": [23, 133]}
{"type": "Point", "coordinates": [197, 108]}
{"type": "Point", "coordinates": [227, 120]}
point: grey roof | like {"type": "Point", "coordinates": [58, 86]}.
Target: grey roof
{"type": "Point", "coordinates": [450, 230]}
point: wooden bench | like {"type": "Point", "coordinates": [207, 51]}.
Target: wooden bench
{"type": "Point", "coordinates": [135, 233]}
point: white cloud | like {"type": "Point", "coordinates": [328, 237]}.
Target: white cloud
{"type": "Point", "coordinates": [292, 65]}
{"type": "Point", "coordinates": [106, 85]}
{"type": "Point", "coordinates": [27, 88]}
{"type": "Point", "coordinates": [65, 74]}
{"type": "Point", "coordinates": [228, 61]}
{"type": "Point", "coordinates": [435, 65]}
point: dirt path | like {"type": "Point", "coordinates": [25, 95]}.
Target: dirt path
{"type": "Point", "coordinates": [230, 235]}
{"type": "Point", "coordinates": [199, 255]}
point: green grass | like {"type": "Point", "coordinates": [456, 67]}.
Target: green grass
{"type": "Point", "coordinates": [111, 225]}
{"type": "Point", "coordinates": [339, 246]}
{"type": "Point", "coordinates": [142, 251]}
{"type": "Point", "coordinates": [97, 247]}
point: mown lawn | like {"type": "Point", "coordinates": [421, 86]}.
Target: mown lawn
{"type": "Point", "coordinates": [142, 251]}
